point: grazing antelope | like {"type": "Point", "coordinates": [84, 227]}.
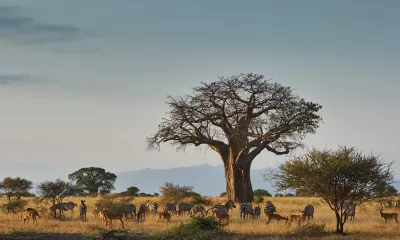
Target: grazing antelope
{"type": "Point", "coordinates": [222, 208]}
{"type": "Point", "coordinates": [108, 215]}
{"type": "Point", "coordinates": [82, 210]}
{"type": "Point", "coordinates": [296, 218]}
{"type": "Point", "coordinates": [277, 217]}
{"type": "Point", "coordinates": [31, 213]}
{"type": "Point", "coordinates": [389, 216]}
{"type": "Point", "coordinates": [222, 217]}
{"type": "Point", "coordinates": [10, 210]}
{"type": "Point", "coordinates": [164, 215]}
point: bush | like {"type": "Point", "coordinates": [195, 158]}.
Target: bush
{"type": "Point", "coordinates": [258, 200]}
{"type": "Point", "coordinates": [311, 230]}
{"type": "Point", "coordinates": [223, 194]}
{"type": "Point", "coordinates": [197, 229]}
{"type": "Point", "coordinates": [174, 192]}
{"type": "Point", "coordinates": [17, 205]}
{"type": "Point", "coordinates": [261, 193]}
{"type": "Point", "coordinates": [198, 199]}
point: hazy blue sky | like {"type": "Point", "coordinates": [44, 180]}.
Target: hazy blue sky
{"type": "Point", "coordinates": [83, 83]}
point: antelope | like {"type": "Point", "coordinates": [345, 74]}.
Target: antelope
{"type": "Point", "coordinates": [389, 216]}
{"type": "Point", "coordinates": [164, 215]}
{"type": "Point", "coordinates": [10, 210]}
{"type": "Point", "coordinates": [296, 218]}
{"type": "Point", "coordinates": [277, 217]}
{"type": "Point", "coordinates": [112, 215]}
{"type": "Point", "coordinates": [31, 212]}
{"type": "Point", "coordinates": [223, 217]}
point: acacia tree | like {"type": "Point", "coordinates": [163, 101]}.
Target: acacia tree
{"type": "Point", "coordinates": [92, 178]}
{"type": "Point", "coordinates": [238, 117]}
{"type": "Point", "coordinates": [17, 187]}
{"type": "Point", "coordinates": [336, 176]}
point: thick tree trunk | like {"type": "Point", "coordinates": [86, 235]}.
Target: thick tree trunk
{"type": "Point", "coordinates": [339, 223]}
{"type": "Point", "coordinates": [238, 183]}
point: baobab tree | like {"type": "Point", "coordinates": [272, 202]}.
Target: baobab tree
{"type": "Point", "coordinates": [238, 117]}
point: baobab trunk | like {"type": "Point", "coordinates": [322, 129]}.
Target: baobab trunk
{"type": "Point", "coordinates": [238, 183]}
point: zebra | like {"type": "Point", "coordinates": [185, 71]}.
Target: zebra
{"type": "Point", "coordinates": [246, 209]}
{"type": "Point", "coordinates": [222, 208]}
{"type": "Point", "coordinates": [152, 206]}
{"type": "Point", "coordinates": [269, 208]}
{"type": "Point", "coordinates": [127, 209]}
{"type": "Point", "coordinates": [82, 210]}
{"type": "Point", "coordinates": [63, 207]}
{"type": "Point", "coordinates": [170, 207]}
{"type": "Point", "coordinates": [183, 207]}
{"type": "Point", "coordinates": [141, 214]}
{"type": "Point", "coordinates": [349, 209]}
{"type": "Point", "coordinates": [397, 204]}
{"type": "Point", "coordinates": [257, 212]}
{"type": "Point", "coordinates": [308, 212]}
{"type": "Point", "coordinates": [197, 209]}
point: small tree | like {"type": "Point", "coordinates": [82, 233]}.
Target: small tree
{"type": "Point", "coordinates": [132, 191]}
{"type": "Point", "coordinates": [336, 176]}
{"type": "Point", "coordinates": [92, 178]}
{"type": "Point", "coordinates": [172, 192]}
{"type": "Point", "coordinates": [17, 187]}
{"type": "Point", "coordinates": [262, 193]}
{"type": "Point", "coordinates": [223, 194]}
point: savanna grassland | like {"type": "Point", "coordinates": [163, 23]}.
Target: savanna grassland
{"type": "Point", "coordinates": [367, 224]}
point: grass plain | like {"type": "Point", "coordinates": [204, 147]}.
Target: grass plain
{"type": "Point", "coordinates": [368, 223]}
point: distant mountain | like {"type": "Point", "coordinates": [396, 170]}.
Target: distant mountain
{"type": "Point", "coordinates": [206, 179]}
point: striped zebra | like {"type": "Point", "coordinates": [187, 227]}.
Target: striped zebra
{"type": "Point", "coordinates": [183, 207]}
{"type": "Point", "coordinates": [170, 208]}
{"type": "Point", "coordinates": [82, 210]}
{"type": "Point", "coordinates": [257, 212]}
{"type": "Point", "coordinates": [397, 204]}
{"type": "Point", "coordinates": [197, 209]}
{"type": "Point", "coordinates": [61, 207]}
{"type": "Point", "coordinates": [152, 206]}
{"type": "Point", "coordinates": [246, 209]}
{"type": "Point", "coordinates": [222, 208]}
{"type": "Point", "coordinates": [269, 208]}
{"type": "Point", "coordinates": [349, 209]}
{"type": "Point", "coordinates": [308, 212]}
{"type": "Point", "coordinates": [141, 214]}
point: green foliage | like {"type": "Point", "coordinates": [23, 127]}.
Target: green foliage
{"type": "Point", "coordinates": [171, 192]}
{"type": "Point", "coordinates": [56, 190]}
{"type": "Point", "coordinates": [15, 187]}
{"type": "Point", "coordinates": [132, 191]}
{"type": "Point", "coordinates": [336, 176]}
{"type": "Point", "coordinates": [92, 178]}
{"type": "Point", "coordinates": [197, 229]}
{"type": "Point", "coordinates": [223, 194]}
{"type": "Point", "coordinates": [258, 200]}
{"type": "Point", "coordinates": [198, 199]}
{"type": "Point", "coordinates": [261, 193]}
{"type": "Point", "coordinates": [17, 205]}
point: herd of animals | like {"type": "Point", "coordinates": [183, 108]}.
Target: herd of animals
{"type": "Point", "coordinates": [220, 211]}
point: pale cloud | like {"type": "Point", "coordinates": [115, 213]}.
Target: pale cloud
{"type": "Point", "coordinates": [17, 28]}
{"type": "Point", "coordinates": [13, 78]}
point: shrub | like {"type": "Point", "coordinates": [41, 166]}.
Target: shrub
{"type": "Point", "coordinates": [174, 192]}
{"type": "Point", "coordinates": [198, 199]}
{"type": "Point", "coordinates": [197, 229]}
{"type": "Point", "coordinates": [17, 205]}
{"type": "Point", "coordinates": [311, 230]}
{"type": "Point", "coordinates": [258, 200]}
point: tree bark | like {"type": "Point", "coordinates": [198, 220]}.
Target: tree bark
{"type": "Point", "coordinates": [339, 223]}
{"type": "Point", "coordinates": [238, 183]}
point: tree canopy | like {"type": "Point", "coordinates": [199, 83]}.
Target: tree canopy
{"type": "Point", "coordinates": [338, 176]}
{"type": "Point", "coordinates": [261, 193]}
{"type": "Point", "coordinates": [16, 187]}
{"type": "Point", "coordinates": [238, 117]}
{"type": "Point", "coordinates": [92, 178]}
{"type": "Point", "coordinates": [56, 190]}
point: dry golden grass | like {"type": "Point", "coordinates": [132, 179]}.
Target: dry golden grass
{"type": "Point", "coordinates": [367, 224]}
